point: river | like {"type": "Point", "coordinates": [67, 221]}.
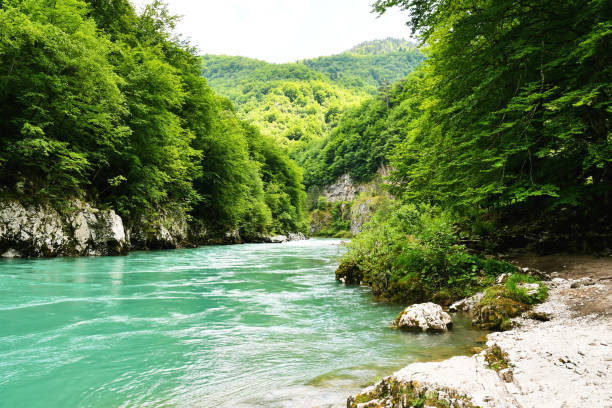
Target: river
{"type": "Point", "coordinates": [253, 325]}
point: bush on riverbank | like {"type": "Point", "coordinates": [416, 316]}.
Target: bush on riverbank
{"type": "Point", "coordinates": [409, 253]}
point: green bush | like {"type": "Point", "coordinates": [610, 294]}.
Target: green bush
{"type": "Point", "coordinates": [410, 253]}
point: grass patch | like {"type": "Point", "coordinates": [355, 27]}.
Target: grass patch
{"type": "Point", "coordinates": [515, 288]}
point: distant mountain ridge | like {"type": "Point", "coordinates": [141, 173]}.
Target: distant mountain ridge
{"type": "Point", "coordinates": [385, 46]}
{"type": "Point", "coordinates": [300, 102]}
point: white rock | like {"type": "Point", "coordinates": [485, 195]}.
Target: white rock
{"type": "Point", "coordinates": [37, 231]}
{"type": "Point", "coordinates": [343, 189]}
{"type": "Point", "coordinates": [530, 288]}
{"type": "Point", "coordinates": [11, 253]}
{"type": "Point", "coordinates": [424, 316]}
{"type": "Point", "coordinates": [502, 278]}
{"type": "Point", "coordinates": [467, 304]}
{"type": "Point", "coordinates": [296, 236]}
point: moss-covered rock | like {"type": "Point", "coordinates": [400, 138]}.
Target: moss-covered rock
{"type": "Point", "coordinates": [349, 272]}
{"type": "Point", "coordinates": [502, 302]}
{"type": "Point", "coordinates": [495, 310]}
{"type": "Point", "coordinates": [496, 358]}
{"type": "Point", "coordinates": [390, 393]}
{"type": "Point", "coordinates": [526, 289]}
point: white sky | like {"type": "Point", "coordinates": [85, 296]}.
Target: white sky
{"type": "Point", "coordinates": [282, 30]}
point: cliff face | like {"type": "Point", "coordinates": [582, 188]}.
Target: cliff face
{"type": "Point", "coordinates": [165, 230]}
{"type": "Point", "coordinates": [347, 206]}
{"type": "Point", "coordinates": [42, 231]}
{"type": "Point", "coordinates": [344, 189]}
{"type": "Point", "coordinates": [79, 229]}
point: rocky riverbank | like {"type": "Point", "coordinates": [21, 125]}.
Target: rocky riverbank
{"type": "Point", "coordinates": [562, 362]}
{"type": "Point", "coordinates": [81, 229]}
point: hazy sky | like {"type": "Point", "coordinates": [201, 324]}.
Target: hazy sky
{"type": "Point", "coordinates": [282, 30]}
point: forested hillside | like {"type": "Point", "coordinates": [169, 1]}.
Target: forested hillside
{"type": "Point", "coordinates": [364, 138]}
{"type": "Point", "coordinates": [299, 103]}
{"type": "Point", "coordinates": [105, 104]}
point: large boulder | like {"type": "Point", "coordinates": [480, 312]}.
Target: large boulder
{"type": "Point", "coordinates": [426, 317]}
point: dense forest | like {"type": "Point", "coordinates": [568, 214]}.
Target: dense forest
{"type": "Point", "coordinates": [364, 138]}
{"type": "Point", "coordinates": [300, 103]}
{"type": "Point", "coordinates": [500, 140]}
{"type": "Point", "coordinates": [100, 102]}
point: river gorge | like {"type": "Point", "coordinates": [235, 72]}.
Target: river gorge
{"type": "Point", "coordinates": [253, 325]}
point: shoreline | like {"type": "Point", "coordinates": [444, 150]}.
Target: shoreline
{"type": "Point", "coordinates": [563, 362]}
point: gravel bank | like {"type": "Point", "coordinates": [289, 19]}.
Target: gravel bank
{"type": "Point", "coordinates": [563, 362]}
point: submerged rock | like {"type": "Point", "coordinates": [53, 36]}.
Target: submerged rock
{"type": "Point", "coordinates": [424, 317]}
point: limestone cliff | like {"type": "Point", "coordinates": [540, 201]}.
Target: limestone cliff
{"type": "Point", "coordinates": [346, 205]}
{"type": "Point", "coordinates": [80, 229]}
{"type": "Point", "coordinates": [42, 231]}
{"type": "Point", "coordinates": [164, 230]}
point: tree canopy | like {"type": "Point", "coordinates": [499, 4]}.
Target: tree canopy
{"type": "Point", "coordinates": [516, 104]}
{"type": "Point", "coordinates": [101, 102]}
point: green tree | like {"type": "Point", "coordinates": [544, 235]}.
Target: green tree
{"type": "Point", "coordinates": [516, 104]}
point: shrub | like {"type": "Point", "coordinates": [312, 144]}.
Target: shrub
{"type": "Point", "coordinates": [410, 253]}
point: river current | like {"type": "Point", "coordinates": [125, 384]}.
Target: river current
{"type": "Point", "coordinates": [254, 325]}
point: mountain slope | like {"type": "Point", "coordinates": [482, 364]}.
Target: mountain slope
{"type": "Point", "coordinates": [299, 103]}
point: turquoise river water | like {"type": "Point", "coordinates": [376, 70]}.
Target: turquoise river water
{"type": "Point", "coordinates": [255, 325]}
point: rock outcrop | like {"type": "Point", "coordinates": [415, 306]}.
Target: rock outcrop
{"type": "Point", "coordinates": [80, 229]}
{"type": "Point", "coordinates": [424, 317]}
{"type": "Point", "coordinates": [165, 230]}
{"type": "Point", "coordinates": [353, 203]}
{"type": "Point", "coordinates": [457, 382]}
{"type": "Point", "coordinates": [42, 231]}
{"type": "Point", "coordinates": [343, 189]}
{"type": "Point", "coordinates": [361, 212]}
